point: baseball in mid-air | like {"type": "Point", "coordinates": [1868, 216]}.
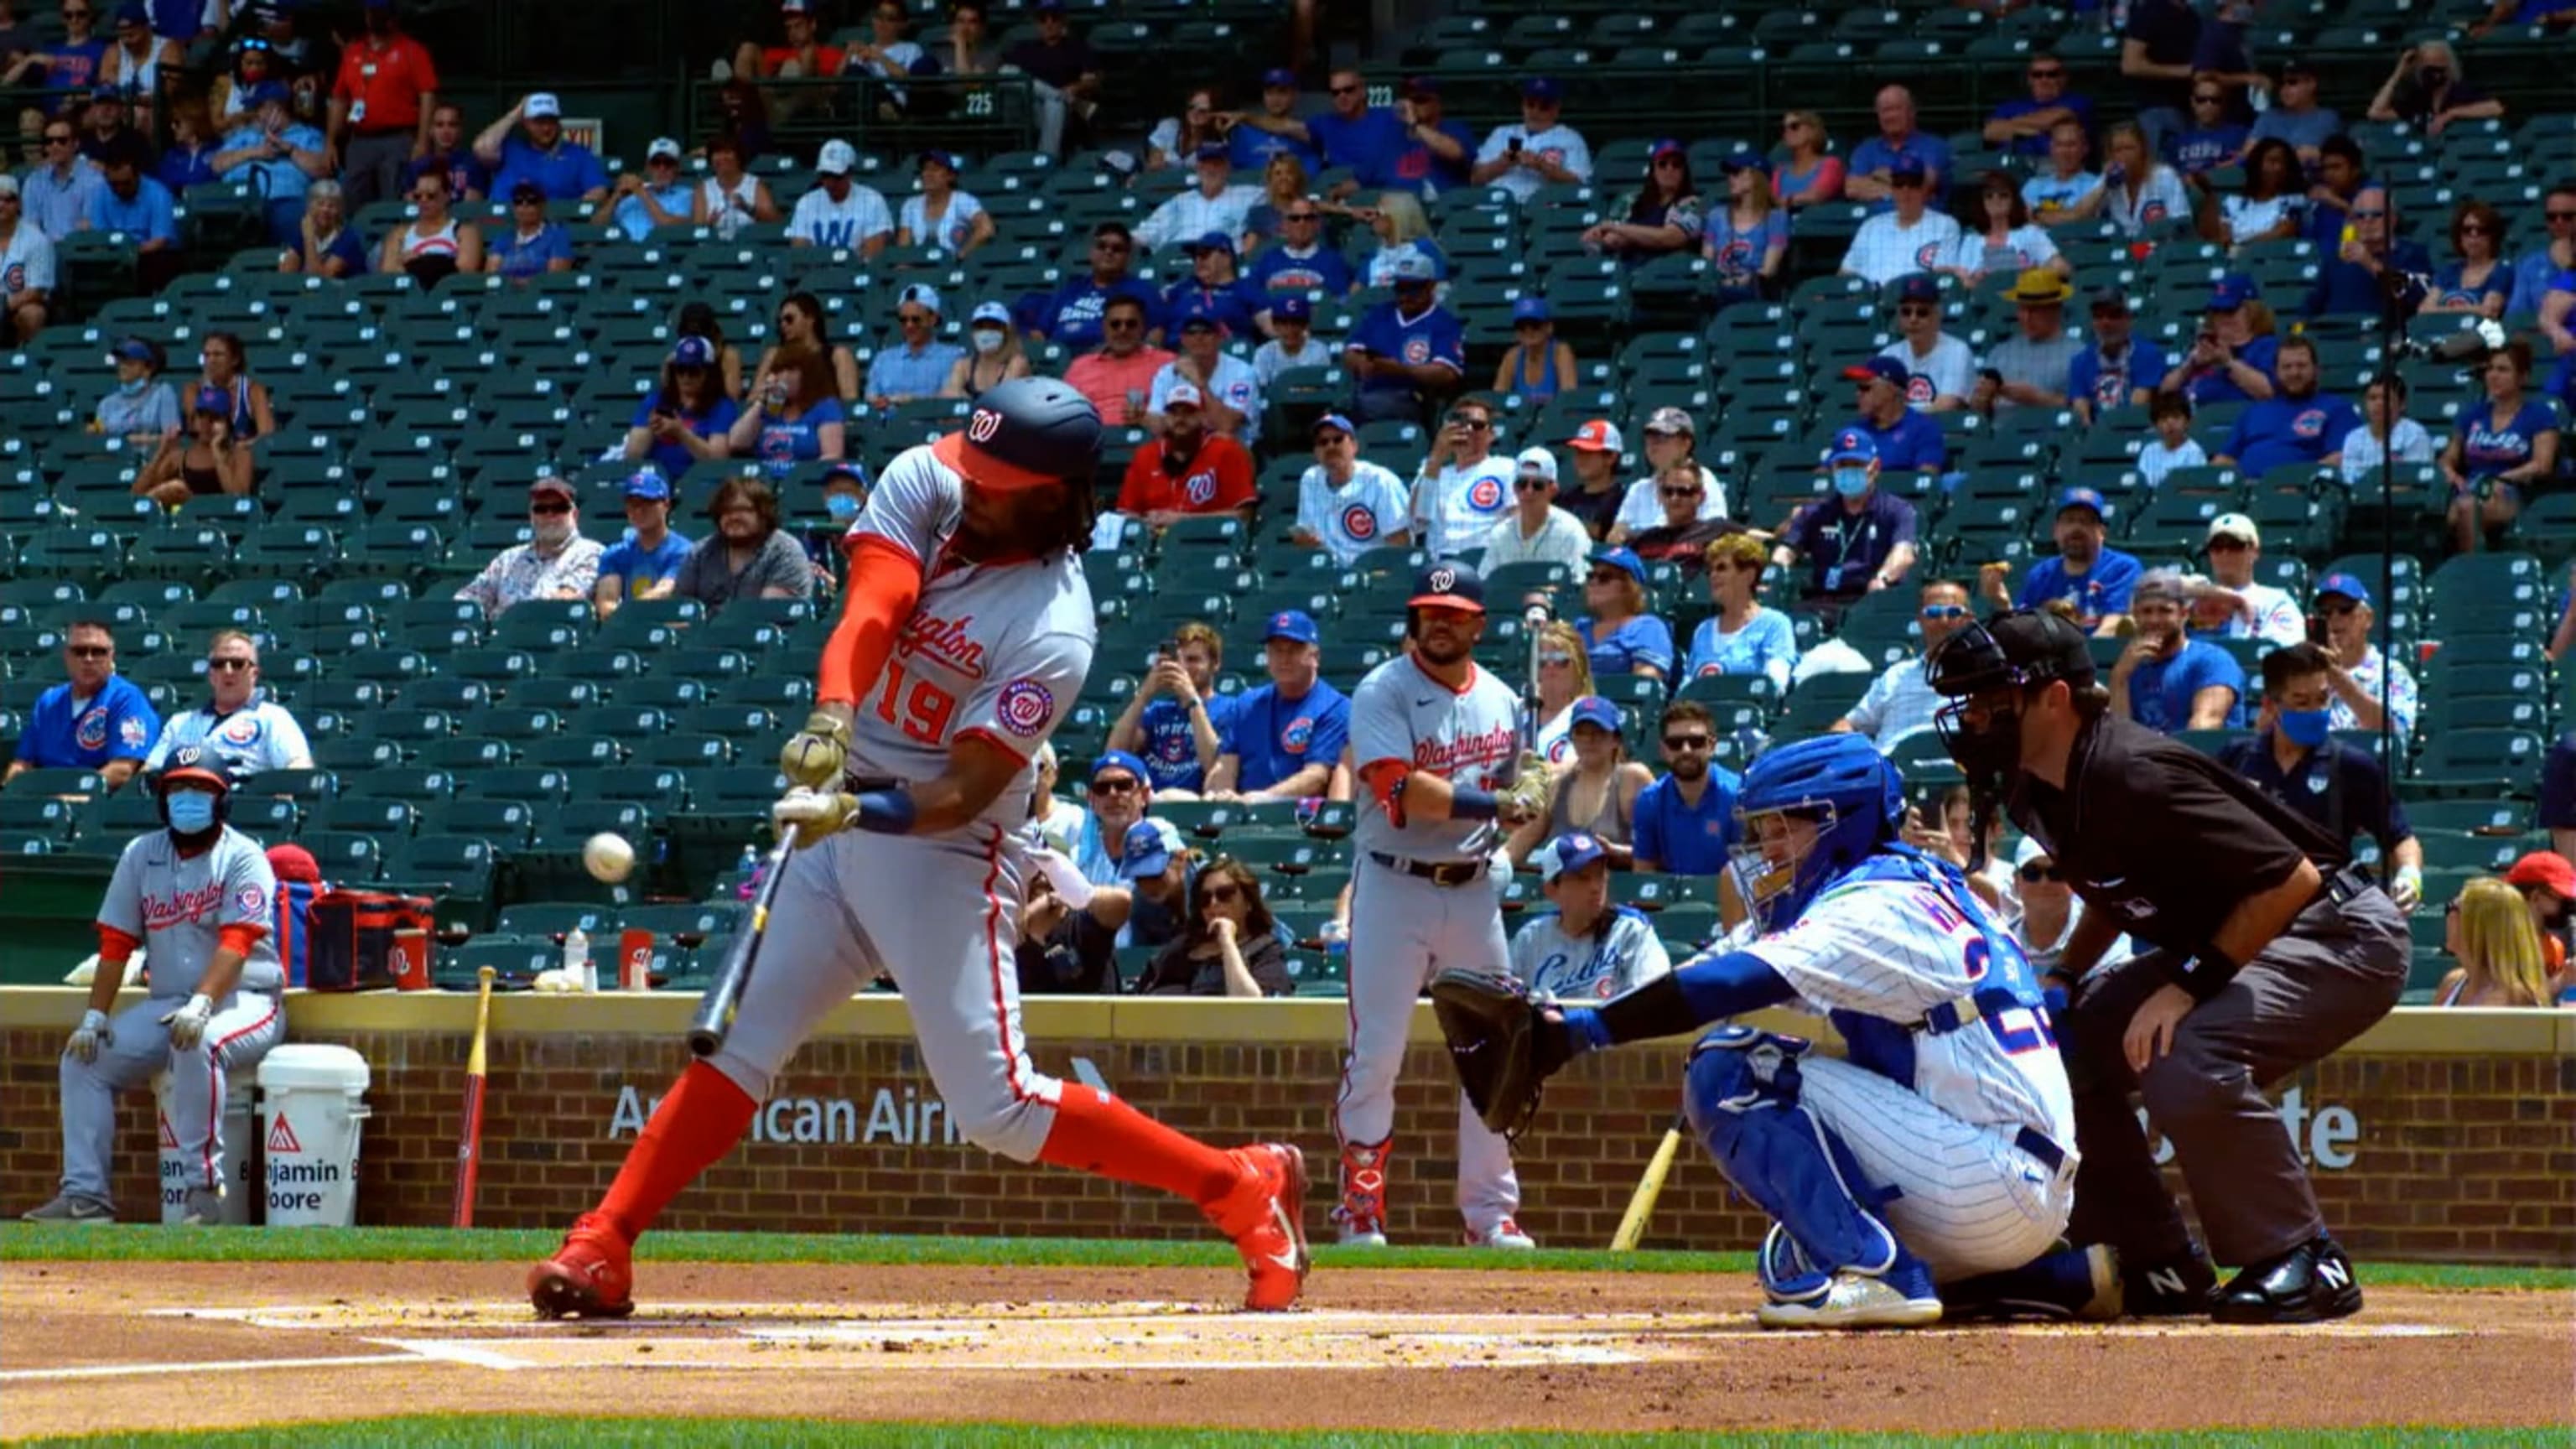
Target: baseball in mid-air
{"type": "Point", "coordinates": [608, 857]}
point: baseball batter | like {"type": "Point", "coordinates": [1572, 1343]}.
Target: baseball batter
{"type": "Point", "coordinates": [965, 640]}
{"type": "Point", "coordinates": [197, 898]}
{"type": "Point", "coordinates": [1434, 738]}
{"type": "Point", "coordinates": [1940, 1149]}
{"type": "Point", "coordinates": [1584, 949]}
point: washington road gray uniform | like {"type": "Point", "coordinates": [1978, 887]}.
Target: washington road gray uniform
{"type": "Point", "coordinates": [1405, 928]}
{"type": "Point", "coordinates": [1622, 953]}
{"type": "Point", "coordinates": [178, 908]}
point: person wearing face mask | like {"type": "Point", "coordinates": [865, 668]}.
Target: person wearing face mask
{"type": "Point", "coordinates": [1860, 541]}
{"type": "Point", "coordinates": [994, 354]}
{"type": "Point", "coordinates": [2294, 756]}
{"type": "Point", "coordinates": [197, 896]}
{"type": "Point", "coordinates": [645, 564]}
{"type": "Point", "coordinates": [2167, 680]}
{"type": "Point", "coordinates": [556, 562]}
{"type": "Point", "coordinates": [141, 408]}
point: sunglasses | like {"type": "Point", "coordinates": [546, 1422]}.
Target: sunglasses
{"type": "Point", "coordinates": [2034, 873]}
{"type": "Point", "coordinates": [1112, 787]}
{"type": "Point", "coordinates": [1345, 90]}
{"type": "Point", "coordinates": [1688, 742]}
{"type": "Point", "coordinates": [2227, 545]}
{"type": "Point", "coordinates": [2047, 73]}
{"type": "Point", "coordinates": [1555, 661]}
{"type": "Point", "coordinates": [54, 140]}
{"type": "Point", "coordinates": [1122, 324]}
{"type": "Point", "coordinates": [1301, 216]}
{"type": "Point", "coordinates": [1945, 611]}
{"type": "Point", "coordinates": [90, 651]}
{"type": "Point", "coordinates": [1678, 491]}
{"type": "Point", "coordinates": [524, 200]}
{"type": "Point", "coordinates": [1532, 485]}
{"type": "Point", "coordinates": [2371, 215]}
{"type": "Point", "coordinates": [1332, 440]}
{"type": "Point", "coordinates": [2205, 100]}
{"type": "Point", "coordinates": [549, 510]}
{"type": "Point", "coordinates": [1916, 309]}
{"type": "Point", "coordinates": [2472, 228]}
{"type": "Point", "coordinates": [229, 666]}
{"type": "Point", "coordinates": [1218, 895]}
{"type": "Point", "coordinates": [1473, 425]}
{"type": "Point", "coordinates": [1906, 183]}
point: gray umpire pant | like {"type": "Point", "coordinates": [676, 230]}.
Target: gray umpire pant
{"type": "Point", "coordinates": [2338, 968]}
{"type": "Point", "coordinates": [371, 168]}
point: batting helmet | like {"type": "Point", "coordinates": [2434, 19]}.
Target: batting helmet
{"type": "Point", "coordinates": [189, 764]}
{"type": "Point", "coordinates": [1029, 432]}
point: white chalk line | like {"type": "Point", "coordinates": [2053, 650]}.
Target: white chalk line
{"type": "Point", "coordinates": [219, 1366]}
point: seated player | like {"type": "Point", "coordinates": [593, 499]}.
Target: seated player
{"type": "Point", "coordinates": [1938, 1152]}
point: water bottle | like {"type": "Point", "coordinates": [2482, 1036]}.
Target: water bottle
{"type": "Point", "coordinates": [748, 868]}
{"type": "Point", "coordinates": [577, 964]}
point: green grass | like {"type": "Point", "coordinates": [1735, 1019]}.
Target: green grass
{"type": "Point", "coordinates": [37, 1242]}
{"type": "Point", "coordinates": [460, 1432]}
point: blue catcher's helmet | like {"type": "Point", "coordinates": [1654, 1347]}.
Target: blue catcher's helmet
{"type": "Point", "coordinates": [1853, 793]}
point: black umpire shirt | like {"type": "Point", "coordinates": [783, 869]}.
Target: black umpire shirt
{"type": "Point", "coordinates": [2161, 836]}
{"type": "Point", "coordinates": [2341, 788]}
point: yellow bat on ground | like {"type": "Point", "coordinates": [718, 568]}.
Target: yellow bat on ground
{"type": "Point", "coordinates": [1650, 1187]}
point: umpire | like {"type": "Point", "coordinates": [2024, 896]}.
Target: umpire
{"type": "Point", "coordinates": [2268, 951]}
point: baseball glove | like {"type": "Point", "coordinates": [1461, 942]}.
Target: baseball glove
{"type": "Point", "coordinates": [1505, 1039]}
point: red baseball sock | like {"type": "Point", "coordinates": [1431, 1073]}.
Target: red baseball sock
{"type": "Point", "coordinates": [1096, 1133]}
{"type": "Point", "coordinates": [705, 1115]}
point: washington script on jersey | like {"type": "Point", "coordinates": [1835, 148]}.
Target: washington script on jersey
{"type": "Point", "coordinates": [948, 640]}
{"type": "Point", "coordinates": [163, 912]}
{"type": "Point", "coordinates": [1492, 747]}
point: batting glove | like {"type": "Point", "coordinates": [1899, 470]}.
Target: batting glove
{"type": "Point", "coordinates": [188, 1024]}
{"type": "Point", "coordinates": [818, 754]}
{"type": "Point", "coordinates": [93, 1034]}
{"type": "Point", "coordinates": [2407, 888]}
{"type": "Point", "coordinates": [814, 813]}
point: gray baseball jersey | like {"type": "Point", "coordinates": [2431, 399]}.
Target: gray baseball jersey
{"type": "Point", "coordinates": [995, 652]}
{"type": "Point", "coordinates": [258, 736]}
{"type": "Point", "coordinates": [178, 907]}
{"type": "Point", "coordinates": [1595, 966]}
{"type": "Point", "coordinates": [1465, 735]}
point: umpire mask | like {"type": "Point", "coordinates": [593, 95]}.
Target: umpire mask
{"type": "Point", "coordinates": [1985, 672]}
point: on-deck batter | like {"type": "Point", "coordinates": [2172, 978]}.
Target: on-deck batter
{"type": "Point", "coordinates": [1434, 737]}
{"type": "Point", "coordinates": [197, 897]}
{"type": "Point", "coordinates": [965, 640]}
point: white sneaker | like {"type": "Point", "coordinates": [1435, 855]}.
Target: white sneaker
{"type": "Point", "coordinates": [1505, 1234]}
{"type": "Point", "coordinates": [1855, 1300]}
{"type": "Point", "coordinates": [71, 1208]}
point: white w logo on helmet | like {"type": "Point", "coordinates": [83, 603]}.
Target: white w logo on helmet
{"type": "Point", "coordinates": [1443, 580]}
{"type": "Point", "coordinates": [983, 425]}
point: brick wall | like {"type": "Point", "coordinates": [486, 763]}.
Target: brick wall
{"type": "Point", "coordinates": [2462, 1157]}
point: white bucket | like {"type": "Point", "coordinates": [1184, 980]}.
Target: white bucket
{"type": "Point", "coordinates": [241, 1152]}
{"type": "Point", "coordinates": [309, 1114]}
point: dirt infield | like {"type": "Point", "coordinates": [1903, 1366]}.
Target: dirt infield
{"type": "Point", "coordinates": [101, 1346]}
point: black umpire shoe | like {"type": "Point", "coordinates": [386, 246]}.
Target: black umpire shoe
{"type": "Point", "coordinates": [2175, 1287]}
{"type": "Point", "coordinates": [2308, 1284]}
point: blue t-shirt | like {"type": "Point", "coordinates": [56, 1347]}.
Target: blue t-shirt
{"type": "Point", "coordinates": [1643, 639]}
{"type": "Point", "coordinates": [638, 566]}
{"type": "Point", "coordinates": [1251, 149]}
{"type": "Point", "coordinates": [1764, 641]}
{"type": "Point", "coordinates": [1368, 145]}
{"type": "Point", "coordinates": [2100, 590]}
{"type": "Point", "coordinates": [2345, 290]}
{"type": "Point", "coordinates": [75, 68]}
{"type": "Point", "coordinates": [1738, 255]}
{"type": "Point", "coordinates": [344, 245]}
{"type": "Point", "coordinates": [783, 443]}
{"type": "Point", "coordinates": [1424, 172]}
{"type": "Point", "coordinates": [1274, 738]}
{"type": "Point", "coordinates": [2035, 147]}
{"type": "Point", "coordinates": [1275, 273]}
{"type": "Point", "coordinates": [563, 174]}
{"type": "Point", "coordinates": [184, 166]}
{"type": "Point", "coordinates": [1875, 154]}
{"type": "Point", "coordinates": [465, 172]}
{"type": "Point", "coordinates": [2282, 430]}
{"type": "Point", "coordinates": [529, 256]}
{"type": "Point", "coordinates": [1171, 752]}
{"type": "Point", "coordinates": [1913, 444]}
{"type": "Point", "coordinates": [2447, 286]}
{"type": "Point", "coordinates": [1435, 335]}
{"type": "Point", "coordinates": [1844, 549]}
{"type": "Point", "coordinates": [1232, 305]}
{"type": "Point", "coordinates": [2161, 690]}
{"type": "Point", "coordinates": [674, 460]}
{"type": "Point", "coordinates": [2486, 450]}
{"type": "Point", "coordinates": [2215, 385]}
{"type": "Point", "coordinates": [117, 723]}
{"type": "Point", "coordinates": [1072, 316]}
{"type": "Point", "coordinates": [150, 216]}
{"type": "Point", "coordinates": [638, 223]}
{"type": "Point", "coordinates": [278, 179]}
{"type": "Point", "coordinates": [2109, 384]}
{"type": "Point", "coordinates": [1683, 839]}
{"type": "Point", "coordinates": [2193, 152]}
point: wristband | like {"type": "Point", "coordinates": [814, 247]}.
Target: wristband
{"type": "Point", "coordinates": [1468, 803]}
{"type": "Point", "coordinates": [93, 1020]}
{"type": "Point", "coordinates": [2204, 973]}
{"type": "Point", "coordinates": [886, 812]}
{"type": "Point", "coordinates": [1585, 1031]}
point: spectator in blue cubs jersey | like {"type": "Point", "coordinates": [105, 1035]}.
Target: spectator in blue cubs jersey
{"type": "Point", "coordinates": [1685, 822]}
{"type": "Point", "coordinates": [1177, 723]}
{"type": "Point", "coordinates": [96, 719]}
{"type": "Point", "coordinates": [2087, 573]}
{"type": "Point", "coordinates": [1289, 733]}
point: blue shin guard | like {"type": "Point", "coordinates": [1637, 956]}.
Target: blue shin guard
{"type": "Point", "coordinates": [1742, 1100]}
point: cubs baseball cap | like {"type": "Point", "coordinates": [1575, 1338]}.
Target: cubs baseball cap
{"type": "Point", "coordinates": [1530, 309]}
{"type": "Point", "coordinates": [1542, 88]}
{"type": "Point", "coordinates": [1421, 85]}
{"type": "Point", "coordinates": [1119, 760]}
{"type": "Point", "coordinates": [2087, 498]}
{"type": "Point", "coordinates": [2236, 526]}
{"type": "Point", "coordinates": [1535, 463]}
{"type": "Point", "coordinates": [2345, 585]}
{"type": "Point", "coordinates": [1447, 585]}
{"type": "Point", "coordinates": [1332, 423]}
{"type": "Point", "coordinates": [837, 158]}
{"type": "Point", "coordinates": [1593, 710]}
{"type": "Point", "coordinates": [526, 191]}
{"type": "Point", "coordinates": [1294, 625]}
{"type": "Point", "coordinates": [649, 485]}
{"type": "Point", "coordinates": [1195, 318]}
{"type": "Point", "coordinates": [1671, 422]}
{"type": "Point", "coordinates": [693, 352]}
{"type": "Point", "coordinates": [2111, 302]}
{"type": "Point", "coordinates": [993, 312]}
{"type": "Point", "coordinates": [1215, 241]}
{"type": "Point", "coordinates": [291, 862]}
{"type": "Point", "coordinates": [1906, 168]}
{"type": "Point", "coordinates": [1567, 854]}
{"type": "Point", "coordinates": [1851, 445]}
{"type": "Point", "coordinates": [1743, 158]}
{"type": "Point", "coordinates": [1148, 849]}
{"type": "Point", "coordinates": [1597, 436]}
{"type": "Point", "coordinates": [550, 484]}
{"type": "Point", "coordinates": [1412, 267]}
{"type": "Point", "coordinates": [1213, 151]}
{"type": "Point", "coordinates": [2546, 869]}
{"type": "Point", "coordinates": [663, 148]}
{"type": "Point", "coordinates": [212, 400]}
{"type": "Point", "coordinates": [1623, 559]}
{"type": "Point", "coordinates": [855, 472]}
{"type": "Point", "coordinates": [1877, 369]}
{"type": "Point", "coordinates": [1183, 395]}
{"type": "Point", "coordinates": [1292, 308]}
{"type": "Point", "coordinates": [1279, 78]}
{"type": "Point", "coordinates": [542, 105]}
{"type": "Point", "coordinates": [8, 184]}
{"type": "Point", "coordinates": [1918, 287]}
{"type": "Point", "coordinates": [263, 93]}
{"type": "Point", "coordinates": [928, 159]}
{"type": "Point", "coordinates": [133, 349]}
{"type": "Point", "coordinates": [1664, 146]}
{"type": "Point", "coordinates": [921, 294]}
{"type": "Point", "coordinates": [2233, 291]}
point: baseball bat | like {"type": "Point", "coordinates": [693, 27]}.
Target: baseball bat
{"type": "Point", "coordinates": [469, 1136]}
{"type": "Point", "coordinates": [715, 1009]}
{"type": "Point", "coordinates": [1650, 1187]}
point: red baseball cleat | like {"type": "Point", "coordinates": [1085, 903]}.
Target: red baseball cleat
{"type": "Point", "coordinates": [1265, 1216]}
{"type": "Point", "coordinates": [591, 1276]}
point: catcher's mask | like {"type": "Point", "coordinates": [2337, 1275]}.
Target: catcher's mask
{"type": "Point", "coordinates": [1811, 810]}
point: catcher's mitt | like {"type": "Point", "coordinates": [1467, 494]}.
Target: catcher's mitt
{"type": "Point", "coordinates": [1505, 1039]}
